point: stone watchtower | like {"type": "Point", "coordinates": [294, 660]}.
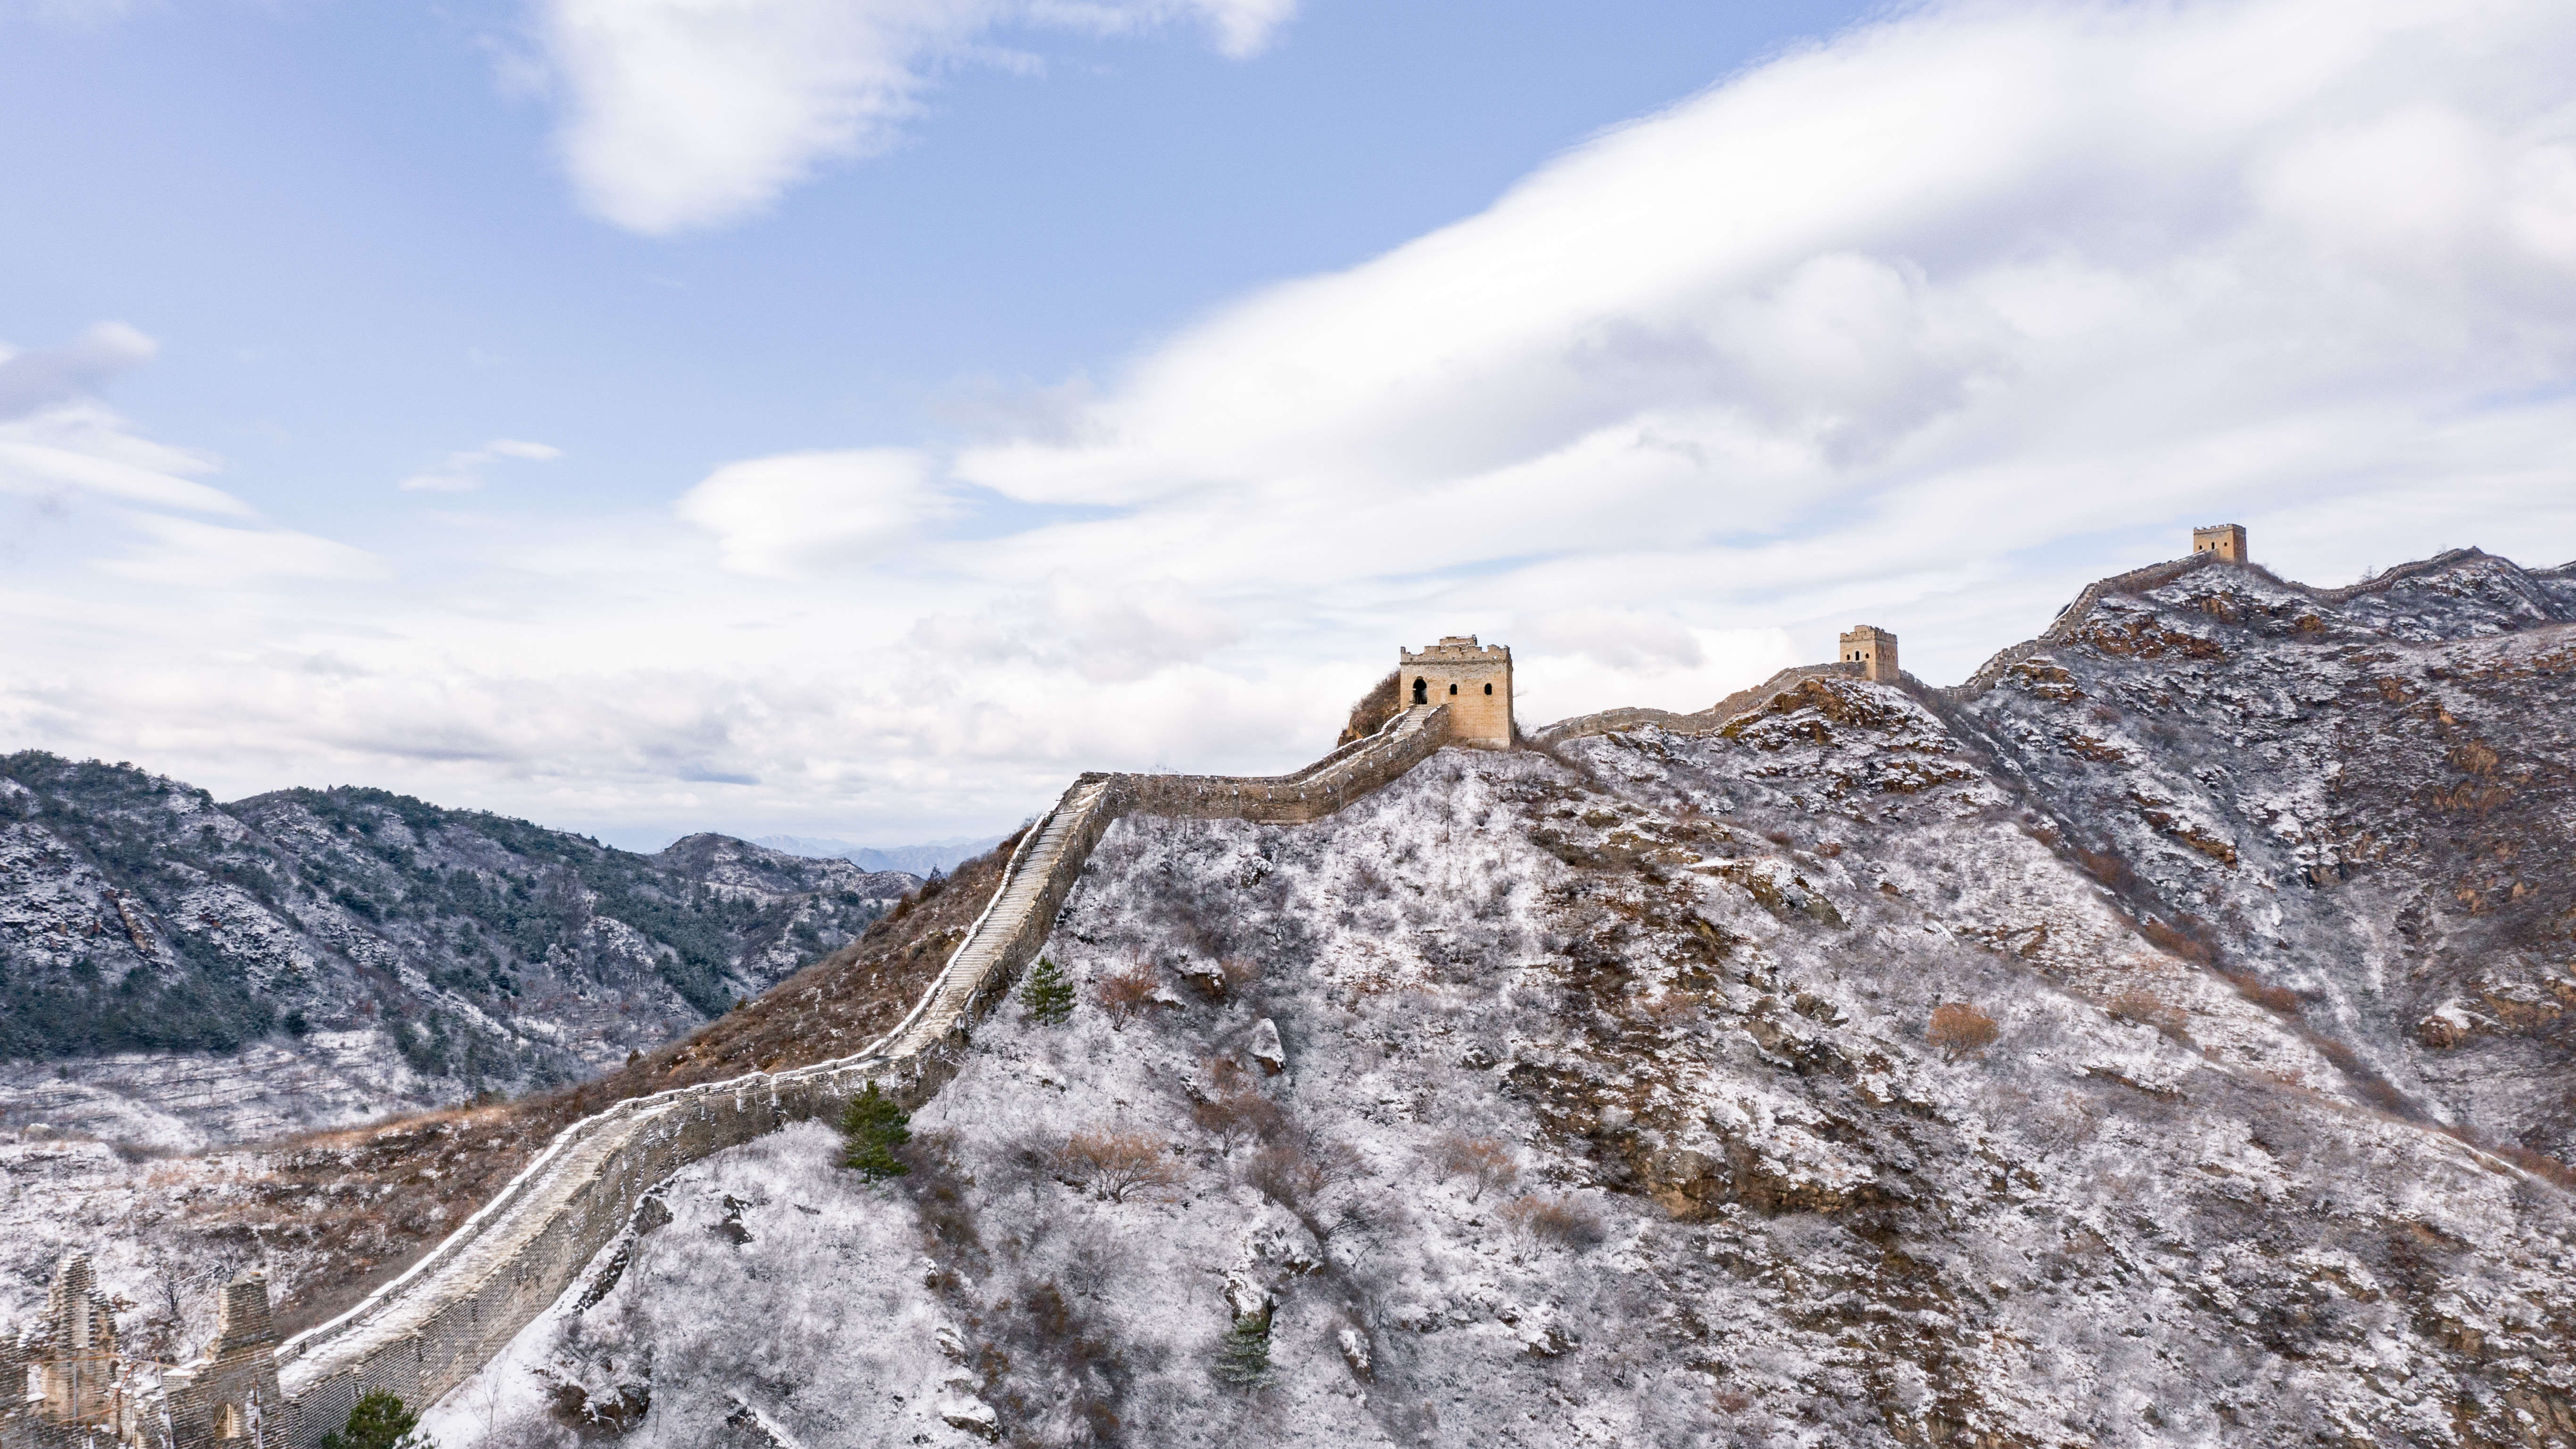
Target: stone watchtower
{"type": "Point", "coordinates": [1874, 650]}
{"type": "Point", "coordinates": [1474, 681]}
{"type": "Point", "coordinates": [2227, 541]}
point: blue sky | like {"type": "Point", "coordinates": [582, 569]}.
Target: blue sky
{"type": "Point", "coordinates": [344, 228]}
{"type": "Point", "coordinates": [852, 417]}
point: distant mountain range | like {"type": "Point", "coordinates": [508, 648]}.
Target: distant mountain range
{"type": "Point", "coordinates": [178, 971]}
{"type": "Point", "coordinates": [937, 855]}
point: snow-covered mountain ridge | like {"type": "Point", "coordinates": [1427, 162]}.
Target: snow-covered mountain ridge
{"type": "Point", "coordinates": [175, 973]}
{"type": "Point", "coordinates": [2074, 1063]}
{"type": "Point", "coordinates": [1877, 1066]}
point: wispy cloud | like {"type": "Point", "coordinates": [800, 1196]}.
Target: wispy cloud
{"type": "Point", "coordinates": [463, 472]}
{"type": "Point", "coordinates": [696, 113]}
{"type": "Point", "coordinates": [803, 512]}
{"type": "Point", "coordinates": [62, 447]}
{"type": "Point", "coordinates": [41, 377]}
{"type": "Point", "coordinates": [184, 552]}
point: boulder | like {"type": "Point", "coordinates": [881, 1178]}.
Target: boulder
{"type": "Point", "coordinates": [1265, 1048]}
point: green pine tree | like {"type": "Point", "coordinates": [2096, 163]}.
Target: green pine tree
{"type": "Point", "coordinates": [378, 1422]}
{"type": "Point", "coordinates": [1047, 995]}
{"type": "Point", "coordinates": [1243, 1356]}
{"type": "Point", "coordinates": [874, 1127]}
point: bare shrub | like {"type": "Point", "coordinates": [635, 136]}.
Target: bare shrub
{"type": "Point", "coordinates": [1237, 1116]}
{"type": "Point", "coordinates": [1239, 973]}
{"type": "Point", "coordinates": [938, 1185]}
{"type": "Point", "coordinates": [2145, 1008]}
{"type": "Point", "coordinates": [1565, 1221]}
{"type": "Point", "coordinates": [1128, 992]}
{"type": "Point", "coordinates": [1114, 1164]}
{"type": "Point", "coordinates": [1960, 1030]}
{"type": "Point", "coordinates": [1487, 1162]}
{"type": "Point", "coordinates": [1295, 1173]}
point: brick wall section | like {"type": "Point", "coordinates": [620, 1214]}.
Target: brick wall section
{"type": "Point", "coordinates": [431, 1328]}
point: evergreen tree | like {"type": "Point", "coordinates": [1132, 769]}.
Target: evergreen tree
{"type": "Point", "coordinates": [874, 1127]}
{"type": "Point", "coordinates": [1047, 995]}
{"type": "Point", "coordinates": [378, 1422]}
{"type": "Point", "coordinates": [1243, 1357]}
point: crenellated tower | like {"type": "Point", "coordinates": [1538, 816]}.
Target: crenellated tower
{"type": "Point", "coordinates": [1474, 680]}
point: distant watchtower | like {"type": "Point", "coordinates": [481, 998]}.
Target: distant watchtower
{"type": "Point", "coordinates": [1474, 681]}
{"type": "Point", "coordinates": [1874, 650]}
{"type": "Point", "coordinates": [2227, 541]}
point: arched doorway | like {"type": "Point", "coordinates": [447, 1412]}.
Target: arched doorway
{"type": "Point", "coordinates": [1421, 691]}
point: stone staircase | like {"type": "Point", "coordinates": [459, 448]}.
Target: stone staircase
{"type": "Point", "coordinates": [1041, 871]}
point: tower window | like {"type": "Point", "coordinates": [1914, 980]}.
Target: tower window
{"type": "Point", "coordinates": [1489, 689]}
{"type": "Point", "coordinates": [1453, 689]}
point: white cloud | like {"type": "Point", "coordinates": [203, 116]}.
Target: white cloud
{"type": "Point", "coordinates": [1858, 326]}
{"type": "Point", "coordinates": [463, 472]}
{"type": "Point", "coordinates": [695, 113]}
{"type": "Point", "coordinates": [1925, 327]}
{"type": "Point", "coordinates": [184, 552]}
{"type": "Point", "coordinates": [801, 512]}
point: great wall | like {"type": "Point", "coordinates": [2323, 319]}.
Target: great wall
{"type": "Point", "coordinates": [435, 1325]}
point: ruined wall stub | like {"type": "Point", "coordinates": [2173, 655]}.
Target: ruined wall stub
{"type": "Point", "coordinates": [1474, 681]}
{"type": "Point", "coordinates": [2225, 540]}
{"type": "Point", "coordinates": [1874, 650]}
{"type": "Point", "coordinates": [231, 1394]}
{"type": "Point", "coordinates": [75, 1360]}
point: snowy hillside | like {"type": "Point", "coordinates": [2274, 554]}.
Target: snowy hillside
{"type": "Point", "coordinates": [2363, 810]}
{"type": "Point", "coordinates": [1880, 1071]}
{"type": "Point", "coordinates": [175, 973]}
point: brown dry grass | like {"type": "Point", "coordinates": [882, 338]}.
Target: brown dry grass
{"type": "Point", "coordinates": [1383, 702]}
{"type": "Point", "coordinates": [1565, 1221]}
{"type": "Point", "coordinates": [357, 1206]}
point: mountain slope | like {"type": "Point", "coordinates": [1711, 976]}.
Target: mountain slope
{"type": "Point", "coordinates": [1882, 1069]}
{"type": "Point", "coordinates": [173, 971]}
{"type": "Point", "coordinates": [2363, 807]}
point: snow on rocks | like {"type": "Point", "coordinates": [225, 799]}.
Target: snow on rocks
{"type": "Point", "coordinates": [1263, 1047]}
{"type": "Point", "coordinates": [1748, 1201]}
